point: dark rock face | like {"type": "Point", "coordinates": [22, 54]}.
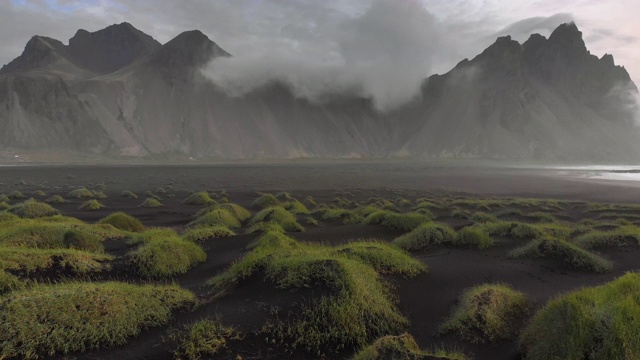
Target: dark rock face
{"type": "Point", "coordinates": [118, 91]}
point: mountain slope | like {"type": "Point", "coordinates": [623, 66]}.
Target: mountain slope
{"type": "Point", "coordinates": [118, 91]}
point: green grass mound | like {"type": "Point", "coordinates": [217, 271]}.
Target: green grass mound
{"type": "Point", "coordinates": [54, 233]}
{"type": "Point", "coordinates": [542, 217]}
{"type": "Point", "coordinates": [55, 199]}
{"type": "Point", "coordinates": [277, 215]}
{"type": "Point", "coordinates": [482, 218]}
{"type": "Point", "coordinates": [28, 260]}
{"type": "Point", "coordinates": [123, 221]}
{"type": "Point", "coordinates": [265, 227]}
{"type": "Point", "coordinates": [240, 212]}
{"type": "Point", "coordinates": [4, 198]}
{"type": "Point", "coordinates": [91, 205]}
{"type": "Point", "coordinates": [198, 198]}
{"type": "Point", "coordinates": [295, 207]}
{"type": "Point", "coordinates": [310, 202]}
{"type": "Point", "coordinates": [425, 236]}
{"type": "Point", "coordinates": [398, 221]}
{"type": "Point", "coordinates": [218, 216]}
{"type": "Point", "coordinates": [519, 230]}
{"type": "Point", "coordinates": [9, 282]}
{"type": "Point", "coordinates": [265, 201]}
{"type": "Point", "coordinates": [39, 193]}
{"type": "Point", "coordinates": [16, 195]}
{"type": "Point", "coordinates": [402, 347]}
{"type": "Point", "coordinates": [151, 203]}
{"type": "Point", "coordinates": [601, 322]}
{"type": "Point", "coordinates": [460, 214]}
{"type": "Point", "coordinates": [4, 206]}
{"type": "Point", "coordinates": [487, 313]}
{"type": "Point", "coordinates": [163, 254]}
{"type": "Point", "coordinates": [359, 307]}
{"type": "Point", "coordinates": [626, 235]}
{"type": "Point", "coordinates": [473, 236]}
{"type": "Point", "coordinates": [128, 194]}
{"type": "Point", "coordinates": [32, 209]}
{"type": "Point", "coordinates": [82, 193]}
{"type": "Point", "coordinates": [202, 339]}
{"type": "Point", "coordinates": [206, 233]}
{"type": "Point", "coordinates": [99, 195]}
{"type": "Point", "coordinates": [344, 216]}
{"type": "Point", "coordinates": [567, 253]}
{"type": "Point", "coordinates": [46, 320]}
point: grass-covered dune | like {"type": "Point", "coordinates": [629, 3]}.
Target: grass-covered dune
{"type": "Point", "coordinates": [164, 253]}
{"type": "Point", "coordinates": [359, 306]}
{"type": "Point", "coordinates": [602, 322]}
{"type": "Point", "coordinates": [45, 320]}
{"type": "Point", "coordinates": [402, 347]}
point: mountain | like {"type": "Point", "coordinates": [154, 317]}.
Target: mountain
{"type": "Point", "coordinates": [118, 91]}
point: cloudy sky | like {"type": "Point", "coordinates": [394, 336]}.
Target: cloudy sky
{"type": "Point", "coordinates": [382, 47]}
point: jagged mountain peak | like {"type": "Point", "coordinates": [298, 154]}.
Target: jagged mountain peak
{"type": "Point", "coordinates": [190, 49]}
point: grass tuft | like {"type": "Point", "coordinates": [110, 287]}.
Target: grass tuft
{"type": "Point", "coordinates": [163, 253]}
{"type": "Point", "coordinates": [198, 198]}
{"type": "Point", "coordinates": [151, 202]}
{"type": "Point", "coordinates": [128, 194]}
{"type": "Point", "coordinates": [45, 320]}
{"type": "Point", "coordinates": [215, 217]}
{"type": "Point", "coordinates": [55, 199]}
{"type": "Point", "coordinates": [32, 209]}
{"type": "Point", "coordinates": [265, 201]}
{"type": "Point", "coordinates": [277, 215]}
{"type": "Point", "coordinates": [567, 253]}
{"type": "Point", "coordinates": [398, 221]}
{"type": "Point", "coordinates": [91, 205]}
{"type": "Point", "coordinates": [403, 346]}
{"type": "Point", "coordinates": [601, 322]}
{"type": "Point", "coordinates": [487, 313]}
{"type": "Point", "coordinates": [202, 339]}
{"type": "Point", "coordinates": [206, 233]}
{"type": "Point", "coordinates": [473, 236]}
{"type": "Point", "coordinates": [123, 221]}
{"type": "Point", "coordinates": [425, 236]}
{"type": "Point", "coordinates": [81, 193]}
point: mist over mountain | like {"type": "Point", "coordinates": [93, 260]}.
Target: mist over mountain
{"type": "Point", "coordinates": [118, 91]}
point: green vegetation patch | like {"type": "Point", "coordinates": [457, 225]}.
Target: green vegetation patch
{"type": "Point", "coordinates": [359, 307]}
{"type": "Point", "coordinates": [277, 215]}
{"type": "Point", "coordinates": [402, 347]}
{"type": "Point", "coordinates": [215, 217]}
{"type": "Point", "coordinates": [626, 235]}
{"type": "Point", "coordinates": [425, 236]}
{"type": "Point", "coordinates": [4, 206]}
{"type": "Point", "coordinates": [203, 338]}
{"type": "Point", "coordinates": [240, 212]}
{"type": "Point", "coordinates": [151, 202]}
{"type": "Point", "coordinates": [9, 282]}
{"type": "Point", "coordinates": [473, 236]}
{"type": "Point", "coordinates": [163, 253]}
{"type": "Point", "coordinates": [81, 193]}
{"type": "Point", "coordinates": [567, 253]}
{"type": "Point", "coordinates": [123, 221]}
{"type": "Point", "coordinates": [265, 201]}
{"type": "Point", "coordinates": [398, 221]}
{"type": "Point", "coordinates": [128, 194]}
{"type": "Point", "coordinates": [91, 205]}
{"type": "Point", "coordinates": [198, 198]}
{"type": "Point", "coordinates": [55, 199]}
{"type": "Point", "coordinates": [295, 207]}
{"type": "Point", "coordinates": [28, 260]}
{"type": "Point", "coordinates": [601, 322]}
{"type": "Point", "coordinates": [206, 233]}
{"type": "Point", "coordinates": [32, 209]}
{"type": "Point", "coordinates": [487, 313]}
{"type": "Point", "coordinates": [45, 320]}
{"type": "Point", "coordinates": [16, 195]}
{"type": "Point", "coordinates": [344, 216]}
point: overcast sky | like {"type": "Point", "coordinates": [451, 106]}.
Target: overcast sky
{"type": "Point", "coordinates": [384, 47]}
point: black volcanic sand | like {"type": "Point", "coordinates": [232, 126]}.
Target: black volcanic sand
{"type": "Point", "coordinates": [426, 299]}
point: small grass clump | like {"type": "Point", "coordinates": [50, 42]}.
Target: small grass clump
{"type": "Point", "coordinates": [486, 313]}
{"type": "Point", "coordinates": [215, 217]}
{"type": "Point", "coordinates": [198, 198]}
{"type": "Point", "coordinates": [358, 307]}
{"type": "Point", "coordinates": [265, 201]}
{"type": "Point", "coordinates": [567, 253]}
{"type": "Point", "coordinates": [27, 260]}
{"type": "Point", "coordinates": [295, 207]}
{"type": "Point", "coordinates": [45, 320]}
{"type": "Point", "coordinates": [91, 205]}
{"type": "Point", "coordinates": [9, 282]}
{"type": "Point", "coordinates": [626, 235]}
{"type": "Point", "coordinates": [32, 209]}
{"type": "Point", "coordinates": [398, 221]}
{"type": "Point", "coordinates": [4, 198]}
{"type": "Point", "coordinates": [344, 216]}
{"type": "Point", "coordinates": [39, 193]}
{"type": "Point", "coordinates": [4, 206]}
{"type": "Point", "coordinates": [163, 253]}
{"type": "Point", "coordinates": [205, 233]}
{"type": "Point", "coordinates": [542, 217]}
{"type": "Point", "coordinates": [151, 202]}
{"type": "Point", "coordinates": [99, 195]}
{"type": "Point", "coordinates": [81, 193]}
{"type": "Point", "coordinates": [473, 236]}
{"type": "Point", "coordinates": [240, 212]}
{"type": "Point", "coordinates": [278, 215]}
{"type": "Point", "coordinates": [425, 236]}
{"type": "Point", "coordinates": [123, 221]}
{"type": "Point", "coordinates": [55, 199]}
{"type": "Point", "coordinates": [201, 339]}
{"type": "Point", "coordinates": [402, 347]}
{"type": "Point", "coordinates": [482, 218]}
{"type": "Point", "coordinates": [128, 194]}
{"type": "Point", "coordinates": [601, 322]}
{"type": "Point", "coordinates": [265, 227]}
{"type": "Point", "coordinates": [16, 195]}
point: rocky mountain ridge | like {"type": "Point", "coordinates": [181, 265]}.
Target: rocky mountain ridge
{"type": "Point", "coordinates": [118, 91]}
